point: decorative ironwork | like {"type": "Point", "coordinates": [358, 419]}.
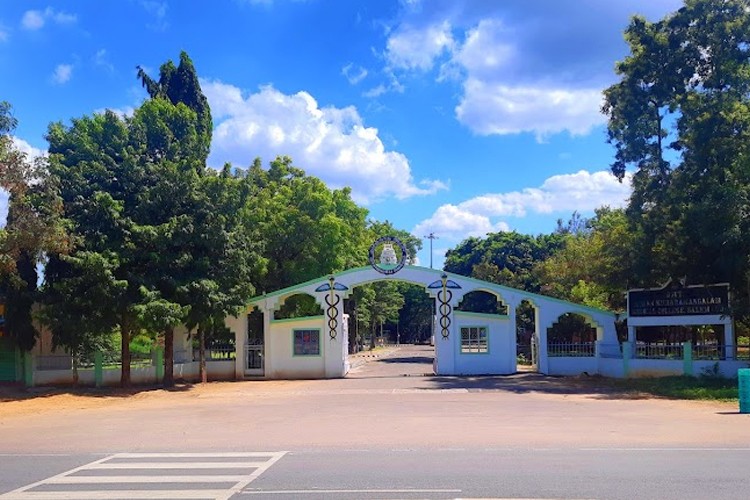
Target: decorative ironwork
{"type": "Point", "coordinates": [332, 300]}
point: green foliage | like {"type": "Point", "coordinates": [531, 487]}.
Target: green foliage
{"type": "Point", "coordinates": [506, 258]}
{"type": "Point", "coordinates": [701, 388]}
{"type": "Point", "coordinates": [306, 230]}
{"type": "Point", "coordinates": [33, 227]}
{"type": "Point", "coordinates": [680, 116]}
{"type": "Point", "coordinates": [593, 266]}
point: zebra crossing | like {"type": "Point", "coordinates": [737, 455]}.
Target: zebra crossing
{"type": "Point", "coordinates": [213, 476]}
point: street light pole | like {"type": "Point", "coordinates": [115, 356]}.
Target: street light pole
{"type": "Point", "coordinates": [431, 237]}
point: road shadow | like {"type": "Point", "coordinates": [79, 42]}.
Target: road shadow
{"type": "Point", "coordinates": [408, 359]}
{"type": "Point", "coordinates": [14, 392]}
{"type": "Point", "coordinates": [524, 383]}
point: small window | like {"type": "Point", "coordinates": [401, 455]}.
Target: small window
{"type": "Point", "coordinates": [306, 342]}
{"type": "Point", "coordinates": [474, 339]}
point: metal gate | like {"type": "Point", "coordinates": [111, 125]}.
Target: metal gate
{"type": "Point", "coordinates": [254, 354]}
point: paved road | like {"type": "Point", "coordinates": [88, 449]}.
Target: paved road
{"type": "Point", "coordinates": [386, 431]}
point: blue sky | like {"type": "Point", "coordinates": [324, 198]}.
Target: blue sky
{"type": "Point", "coordinates": [445, 116]}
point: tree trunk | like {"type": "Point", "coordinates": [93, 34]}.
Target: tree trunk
{"type": "Point", "coordinates": [125, 351]}
{"type": "Point", "coordinates": [169, 357]}
{"type": "Point", "coordinates": [202, 354]}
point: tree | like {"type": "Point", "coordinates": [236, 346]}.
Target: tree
{"type": "Point", "coordinates": [680, 116]}
{"type": "Point", "coordinates": [592, 267]}
{"type": "Point", "coordinates": [506, 258]}
{"type": "Point", "coordinates": [33, 228]}
{"type": "Point", "coordinates": [307, 230]}
{"type": "Point", "coordinates": [130, 187]}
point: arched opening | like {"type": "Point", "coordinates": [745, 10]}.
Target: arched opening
{"type": "Point", "coordinates": [299, 305]}
{"type": "Point", "coordinates": [255, 347]}
{"type": "Point", "coordinates": [392, 321]}
{"type": "Point", "coordinates": [526, 338]}
{"type": "Point", "coordinates": [572, 335]}
{"type": "Point", "coordinates": [481, 301]}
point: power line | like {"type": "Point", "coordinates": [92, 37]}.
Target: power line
{"type": "Point", "coordinates": [431, 237]}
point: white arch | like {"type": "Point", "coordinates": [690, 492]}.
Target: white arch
{"type": "Point", "coordinates": [548, 309]}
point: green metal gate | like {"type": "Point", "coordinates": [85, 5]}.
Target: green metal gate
{"type": "Point", "coordinates": [7, 360]}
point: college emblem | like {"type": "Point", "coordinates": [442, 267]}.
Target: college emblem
{"type": "Point", "coordinates": [390, 262]}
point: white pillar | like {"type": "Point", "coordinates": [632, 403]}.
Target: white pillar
{"type": "Point", "coordinates": [333, 352]}
{"type": "Point", "coordinates": [268, 365]}
{"type": "Point", "coordinates": [513, 337]}
{"type": "Point", "coordinates": [238, 326]}
{"type": "Point", "coordinates": [730, 346]}
{"type": "Point", "coordinates": [631, 334]}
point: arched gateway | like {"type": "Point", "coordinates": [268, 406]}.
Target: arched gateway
{"type": "Point", "coordinates": [465, 343]}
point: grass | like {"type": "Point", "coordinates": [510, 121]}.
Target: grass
{"type": "Point", "coordinates": [696, 388]}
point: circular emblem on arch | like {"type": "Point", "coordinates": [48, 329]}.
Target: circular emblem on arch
{"type": "Point", "coordinates": [389, 262]}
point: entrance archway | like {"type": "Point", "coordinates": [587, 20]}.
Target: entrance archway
{"type": "Point", "coordinates": [466, 342]}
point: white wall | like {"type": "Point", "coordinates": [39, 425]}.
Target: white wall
{"type": "Point", "coordinates": [217, 370]}
{"type": "Point", "coordinates": [573, 365]}
{"type": "Point", "coordinates": [501, 358]}
{"type": "Point", "coordinates": [283, 364]}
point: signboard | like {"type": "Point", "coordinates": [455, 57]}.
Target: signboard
{"type": "Point", "coordinates": [679, 301]}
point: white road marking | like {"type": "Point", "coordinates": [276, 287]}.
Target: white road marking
{"type": "Point", "coordinates": [138, 483]}
{"type": "Point", "coordinates": [319, 491]}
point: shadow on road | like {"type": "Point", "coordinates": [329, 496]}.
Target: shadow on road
{"type": "Point", "coordinates": [19, 393]}
{"type": "Point", "coordinates": [522, 383]}
{"type": "Point", "coordinates": [409, 359]}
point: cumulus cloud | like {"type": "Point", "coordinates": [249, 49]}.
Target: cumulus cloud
{"type": "Point", "coordinates": [331, 143]}
{"type": "Point", "coordinates": [582, 191]}
{"type": "Point", "coordinates": [456, 223]}
{"type": "Point", "coordinates": [498, 109]}
{"type": "Point", "coordinates": [536, 67]}
{"type": "Point", "coordinates": [62, 73]}
{"type": "Point", "coordinates": [36, 19]}
{"type": "Point", "coordinates": [416, 48]}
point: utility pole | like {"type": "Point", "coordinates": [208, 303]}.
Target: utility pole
{"type": "Point", "coordinates": [431, 237]}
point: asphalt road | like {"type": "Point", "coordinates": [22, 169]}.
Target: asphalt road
{"type": "Point", "coordinates": [385, 432]}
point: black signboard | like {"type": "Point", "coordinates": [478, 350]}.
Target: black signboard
{"type": "Point", "coordinates": [676, 301]}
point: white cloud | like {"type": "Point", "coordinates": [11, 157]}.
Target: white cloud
{"type": "Point", "coordinates": [32, 20]}
{"type": "Point", "coordinates": [456, 223]}
{"type": "Point", "coordinates": [102, 60]}
{"type": "Point", "coordinates": [4, 35]}
{"type": "Point", "coordinates": [31, 154]}
{"type": "Point", "coordinates": [354, 74]}
{"type": "Point", "coordinates": [158, 11]}
{"type": "Point", "coordinates": [331, 143]}
{"type": "Point", "coordinates": [3, 207]}
{"type": "Point", "coordinates": [25, 147]}
{"type": "Point", "coordinates": [498, 109]}
{"type": "Point", "coordinates": [524, 67]}
{"type": "Point", "coordinates": [62, 73]}
{"type": "Point", "coordinates": [36, 19]}
{"type": "Point", "coordinates": [124, 112]}
{"type": "Point", "coordinates": [417, 48]}
{"type": "Point", "coordinates": [582, 191]}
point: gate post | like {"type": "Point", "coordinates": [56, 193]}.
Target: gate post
{"type": "Point", "coordinates": [687, 358]}
{"type": "Point", "coordinates": [98, 370]}
{"type": "Point", "coordinates": [28, 369]}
